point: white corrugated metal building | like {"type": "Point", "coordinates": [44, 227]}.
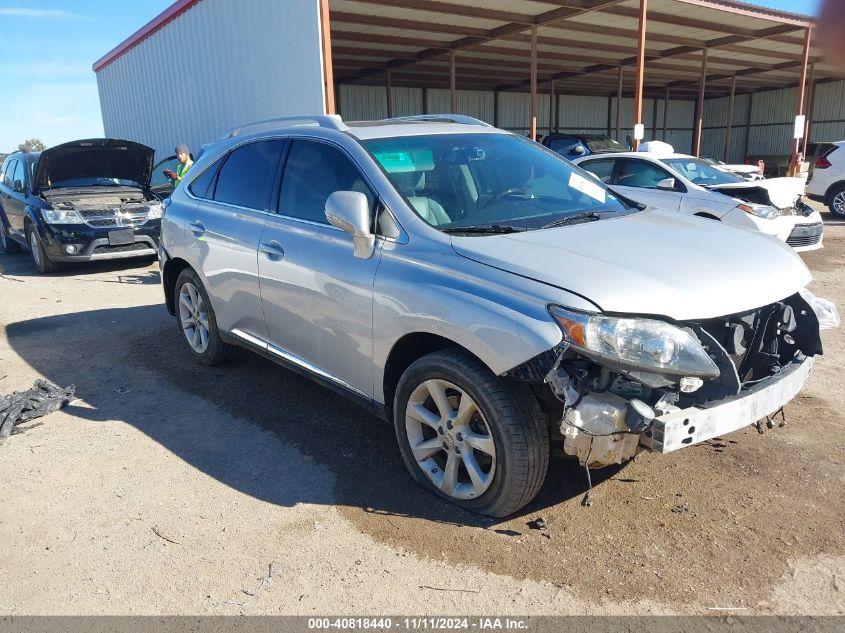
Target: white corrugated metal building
{"type": "Point", "coordinates": [205, 66]}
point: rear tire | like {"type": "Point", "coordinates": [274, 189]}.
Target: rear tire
{"type": "Point", "coordinates": [42, 262]}
{"type": "Point", "coordinates": [836, 201]}
{"type": "Point", "coordinates": [7, 244]}
{"type": "Point", "coordinates": [196, 321]}
{"type": "Point", "coordinates": [485, 448]}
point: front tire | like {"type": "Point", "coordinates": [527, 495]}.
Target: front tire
{"type": "Point", "coordinates": [197, 324]}
{"type": "Point", "coordinates": [836, 202]}
{"type": "Point", "coordinates": [42, 262]}
{"type": "Point", "coordinates": [469, 436]}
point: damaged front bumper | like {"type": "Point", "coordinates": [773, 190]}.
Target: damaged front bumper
{"type": "Point", "coordinates": [685, 427]}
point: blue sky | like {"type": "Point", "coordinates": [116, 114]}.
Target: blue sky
{"type": "Point", "coordinates": [48, 46]}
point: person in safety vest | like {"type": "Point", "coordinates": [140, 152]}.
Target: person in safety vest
{"type": "Point", "coordinates": [185, 162]}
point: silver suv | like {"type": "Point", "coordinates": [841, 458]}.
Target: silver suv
{"type": "Point", "coordinates": [483, 294]}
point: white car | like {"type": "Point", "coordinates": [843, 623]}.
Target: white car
{"type": "Point", "coordinates": [827, 184]}
{"type": "Point", "coordinates": [748, 172]}
{"type": "Point", "coordinates": [689, 185]}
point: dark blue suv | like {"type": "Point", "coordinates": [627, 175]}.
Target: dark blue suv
{"type": "Point", "coordinates": [81, 201]}
{"type": "Point", "coordinates": [573, 146]}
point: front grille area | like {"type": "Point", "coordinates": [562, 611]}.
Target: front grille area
{"type": "Point", "coordinates": [113, 217]}
{"type": "Point", "coordinates": [805, 235]}
{"type": "Point", "coordinates": [122, 248]}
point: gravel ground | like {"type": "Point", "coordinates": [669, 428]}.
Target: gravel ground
{"type": "Point", "coordinates": [169, 488]}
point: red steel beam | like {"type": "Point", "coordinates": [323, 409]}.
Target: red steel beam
{"type": "Point", "coordinates": [638, 98]}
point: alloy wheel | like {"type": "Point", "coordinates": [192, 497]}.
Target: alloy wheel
{"type": "Point", "coordinates": [35, 249]}
{"type": "Point", "coordinates": [194, 317]}
{"type": "Point", "coordinates": [450, 439]}
{"type": "Point", "coordinates": [839, 203]}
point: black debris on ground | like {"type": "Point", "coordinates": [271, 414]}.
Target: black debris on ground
{"type": "Point", "coordinates": [537, 524]}
{"type": "Point", "coordinates": [21, 406]}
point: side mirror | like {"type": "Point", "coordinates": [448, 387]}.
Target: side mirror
{"type": "Point", "coordinates": [667, 184]}
{"type": "Point", "coordinates": [350, 212]}
{"type": "Point", "coordinates": [18, 186]}
{"type": "Point", "coordinates": [578, 150]}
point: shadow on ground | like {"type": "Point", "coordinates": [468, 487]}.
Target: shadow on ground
{"type": "Point", "coordinates": [20, 265]}
{"type": "Point", "coordinates": [93, 351]}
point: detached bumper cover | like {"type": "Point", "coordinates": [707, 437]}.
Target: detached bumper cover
{"type": "Point", "coordinates": [686, 427]}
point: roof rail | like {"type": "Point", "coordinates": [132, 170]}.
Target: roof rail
{"type": "Point", "coordinates": [461, 119]}
{"type": "Point", "coordinates": [331, 121]}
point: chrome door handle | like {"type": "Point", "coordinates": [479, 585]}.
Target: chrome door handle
{"type": "Point", "coordinates": [273, 250]}
{"type": "Point", "coordinates": [197, 228]}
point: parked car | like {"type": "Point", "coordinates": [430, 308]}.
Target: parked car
{"type": "Point", "coordinates": [160, 184]}
{"type": "Point", "coordinates": [827, 181]}
{"type": "Point", "coordinates": [483, 294]}
{"type": "Point", "coordinates": [689, 185]}
{"type": "Point", "coordinates": [576, 145]}
{"type": "Point", "coordinates": [746, 172]}
{"type": "Point", "coordinates": [85, 200]}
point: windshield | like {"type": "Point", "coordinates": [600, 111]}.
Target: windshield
{"type": "Point", "coordinates": [92, 182]}
{"type": "Point", "coordinates": [463, 180]}
{"type": "Point", "coordinates": [600, 144]}
{"type": "Point", "coordinates": [700, 172]}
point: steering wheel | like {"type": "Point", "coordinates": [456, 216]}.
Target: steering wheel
{"type": "Point", "coordinates": [510, 191]}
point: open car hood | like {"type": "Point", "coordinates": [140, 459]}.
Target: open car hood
{"type": "Point", "coordinates": [781, 193]}
{"type": "Point", "coordinates": [653, 262]}
{"type": "Point", "coordinates": [94, 158]}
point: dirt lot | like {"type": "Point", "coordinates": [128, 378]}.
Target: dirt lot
{"type": "Point", "coordinates": [171, 488]}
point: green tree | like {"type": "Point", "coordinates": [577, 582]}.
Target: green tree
{"type": "Point", "coordinates": [32, 145]}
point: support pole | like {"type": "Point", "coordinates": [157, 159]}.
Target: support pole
{"type": "Point", "coordinates": [552, 113]}
{"type": "Point", "coordinates": [533, 108]}
{"type": "Point", "coordinates": [796, 144]}
{"type": "Point", "coordinates": [389, 87]}
{"type": "Point", "coordinates": [638, 97]}
{"type": "Point", "coordinates": [730, 125]}
{"type": "Point", "coordinates": [748, 126]}
{"type": "Point", "coordinates": [328, 70]}
{"type": "Point", "coordinates": [665, 112]}
{"type": "Point", "coordinates": [557, 112]}
{"type": "Point", "coordinates": [619, 105]}
{"type": "Point", "coordinates": [699, 106]}
{"type": "Point", "coordinates": [453, 93]}
{"type": "Point", "coordinates": [811, 106]}
{"type": "Point", "coordinates": [654, 119]}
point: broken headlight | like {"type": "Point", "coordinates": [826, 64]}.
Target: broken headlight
{"type": "Point", "coordinates": [636, 344]}
{"type": "Point", "coordinates": [61, 216]}
{"type": "Point", "coordinates": [761, 211]}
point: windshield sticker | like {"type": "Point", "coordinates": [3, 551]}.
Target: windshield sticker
{"type": "Point", "coordinates": [397, 162]}
{"type": "Point", "coordinates": [595, 191]}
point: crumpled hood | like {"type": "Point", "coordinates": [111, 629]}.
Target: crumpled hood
{"type": "Point", "coordinates": [781, 193]}
{"type": "Point", "coordinates": [653, 262]}
{"type": "Point", "coordinates": [94, 158]}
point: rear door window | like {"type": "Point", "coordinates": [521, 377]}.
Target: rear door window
{"type": "Point", "coordinates": [247, 176]}
{"type": "Point", "coordinates": [639, 173]}
{"type": "Point", "coordinates": [19, 175]}
{"type": "Point", "coordinates": [9, 173]}
{"type": "Point", "coordinates": [603, 169]}
{"type": "Point", "coordinates": [313, 172]}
